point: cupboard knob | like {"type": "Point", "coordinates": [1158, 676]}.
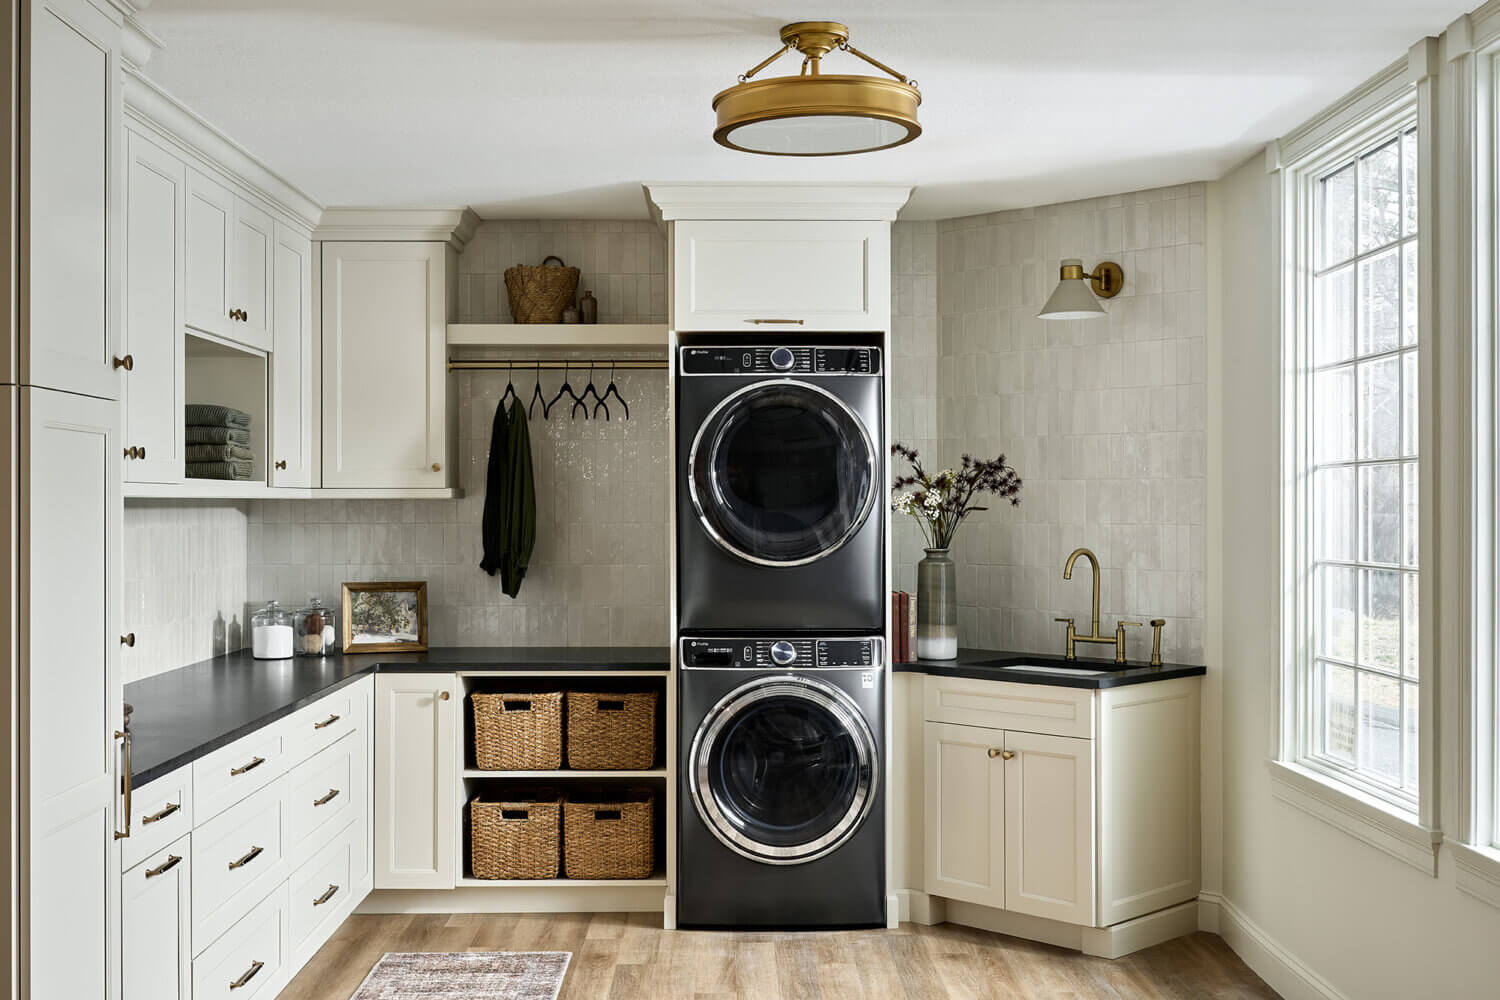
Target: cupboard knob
{"type": "Point", "coordinates": [437, 467]}
{"type": "Point", "coordinates": [142, 451]}
{"type": "Point", "coordinates": [127, 363]}
{"type": "Point", "coordinates": [1004, 754]}
{"type": "Point", "coordinates": [281, 464]}
{"type": "Point", "coordinates": [443, 695]}
{"type": "Point", "coordinates": [128, 639]}
{"type": "Point", "coordinates": [995, 752]}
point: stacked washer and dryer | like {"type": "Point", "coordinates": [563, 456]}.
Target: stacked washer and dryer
{"type": "Point", "coordinates": [781, 605]}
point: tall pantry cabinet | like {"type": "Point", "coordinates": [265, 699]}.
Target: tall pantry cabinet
{"type": "Point", "coordinates": [60, 497]}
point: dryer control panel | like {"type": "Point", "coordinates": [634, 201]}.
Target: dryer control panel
{"type": "Point", "coordinates": [763, 360]}
{"type": "Point", "coordinates": [791, 653]}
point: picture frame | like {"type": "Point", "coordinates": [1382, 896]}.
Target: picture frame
{"type": "Point", "coordinates": [389, 616]}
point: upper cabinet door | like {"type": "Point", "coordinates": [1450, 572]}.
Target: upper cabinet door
{"type": "Point", "coordinates": [292, 397]}
{"type": "Point", "coordinates": [1049, 827]}
{"type": "Point", "coordinates": [155, 193]}
{"type": "Point", "coordinates": [210, 221]}
{"type": "Point", "coordinates": [385, 379]}
{"type": "Point", "coordinates": [965, 813]}
{"type": "Point", "coordinates": [791, 276]}
{"type": "Point", "coordinates": [250, 254]}
{"type": "Point", "coordinates": [70, 132]}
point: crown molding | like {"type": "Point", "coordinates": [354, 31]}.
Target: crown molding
{"type": "Point", "coordinates": [453, 226]}
{"type": "Point", "coordinates": [854, 202]}
{"type": "Point", "coordinates": [1368, 98]}
{"type": "Point", "coordinates": [138, 43]}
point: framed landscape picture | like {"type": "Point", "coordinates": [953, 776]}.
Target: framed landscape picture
{"type": "Point", "coordinates": [385, 617]}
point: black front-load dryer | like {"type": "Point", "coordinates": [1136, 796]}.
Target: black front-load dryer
{"type": "Point", "coordinates": [781, 816]}
{"type": "Point", "coordinates": [780, 484]}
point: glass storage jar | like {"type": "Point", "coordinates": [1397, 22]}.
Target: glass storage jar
{"type": "Point", "coordinates": [316, 629]}
{"type": "Point", "coordinates": [271, 633]}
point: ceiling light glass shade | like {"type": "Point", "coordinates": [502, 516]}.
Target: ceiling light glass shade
{"type": "Point", "coordinates": [817, 115]}
{"type": "Point", "coordinates": [1073, 298]}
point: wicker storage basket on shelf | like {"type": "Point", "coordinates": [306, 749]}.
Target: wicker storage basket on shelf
{"type": "Point", "coordinates": [516, 835]}
{"type": "Point", "coordinates": [517, 732]}
{"type": "Point", "coordinates": [538, 294]}
{"type": "Point", "coordinates": [611, 732]}
{"type": "Point", "coordinates": [609, 833]}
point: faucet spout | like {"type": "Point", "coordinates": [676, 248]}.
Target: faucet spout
{"type": "Point", "coordinates": [1068, 575]}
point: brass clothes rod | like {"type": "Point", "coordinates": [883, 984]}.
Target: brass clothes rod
{"type": "Point", "coordinates": [553, 364]}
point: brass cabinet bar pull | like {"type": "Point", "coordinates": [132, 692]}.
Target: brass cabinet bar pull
{"type": "Point", "coordinates": [172, 862]}
{"type": "Point", "coordinates": [242, 862]}
{"type": "Point", "coordinates": [326, 895]}
{"type": "Point", "coordinates": [326, 722]}
{"type": "Point", "coordinates": [167, 810]}
{"type": "Point", "coordinates": [790, 322]}
{"type": "Point", "coordinates": [124, 737]}
{"type": "Point", "coordinates": [333, 793]}
{"type": "Point", "coordinates": [237, 771]}
{"type": "Point", "coordinates": [249, 975]}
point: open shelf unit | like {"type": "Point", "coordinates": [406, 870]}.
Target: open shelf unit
{"type": "Point", "coordinates": [583, 336]}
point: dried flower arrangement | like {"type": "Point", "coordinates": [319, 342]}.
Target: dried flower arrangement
{"type": "Point", "coordinates": [940, 501]}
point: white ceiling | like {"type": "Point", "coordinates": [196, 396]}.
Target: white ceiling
{"type": "Point", "coordinates": [561, 108]}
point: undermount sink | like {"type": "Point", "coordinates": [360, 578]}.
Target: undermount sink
{"type": "Point", "coordinates": [1037, 668]}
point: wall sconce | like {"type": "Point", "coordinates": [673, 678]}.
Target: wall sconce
{"type": "Point", "coordinates": [1075, 298]}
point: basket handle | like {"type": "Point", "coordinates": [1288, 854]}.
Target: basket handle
{"type": "Point", "coordinates": [515, 705]}
{"type": "Point", "coordinates": [515, 813]}
{"type": "Point", "coordinates": [611, 705]}
{"type": "Point", "coordinates": [553, 257]}
{"type": "Point", "coordinates": [606, 814]}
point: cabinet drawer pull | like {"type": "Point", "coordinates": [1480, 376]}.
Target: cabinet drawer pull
{"type": "Point", "coordinates": [166, 811]}
{"type": "Point", "coordinates": [1004, 754]}
{"type": "Point", "coordinates": [758, 322]}
{"type": "Point", "coordinates": [327, 895]}
{"type": "Point", "coordinates": [172, 862]}
{"type": "Point", "coordinates": [235, 772]}
{"type": "Point", "coordinates": [327, 722]}
{"type": "Point", "coordinates": [249, 857]}
{"type": "Point", "coordinates": [333, 793]}
{"type": "Point", "coordinates": [249, 975]}
{"type": "Point", "coordinates": [127, 363]}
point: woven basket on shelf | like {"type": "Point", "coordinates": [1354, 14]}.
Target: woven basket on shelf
{"type": "Point", "coordinates": [611, 732]}
{"type": "Point", "coordinates": [516, 836]}
{"type": "Point", "coordinates": [609, 834]}
{"type": "Point", "coordinates": [538, 294]}
{"type": "Point", "coordinates": [517, 732]}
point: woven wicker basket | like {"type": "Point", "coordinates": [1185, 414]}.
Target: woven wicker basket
{"type": "Point", "coordinates": [517, 836]}
{"type": "Point", "coordinates": [611, 732]}
{"type": "Point", "coordinates": [609, 834]}
{"type": "Point", "coordinates": [538, 294]}
{"type": "Point", "coordinates": [517, 732]}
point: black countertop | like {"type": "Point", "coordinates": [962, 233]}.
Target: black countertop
{"type": "Point", "coordinates": [180, 715]}
{"type": "Point", "coordinates": [1000, 665]}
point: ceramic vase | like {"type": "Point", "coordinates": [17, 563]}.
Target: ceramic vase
{"type": "Point", "coordinates": [937, 606]}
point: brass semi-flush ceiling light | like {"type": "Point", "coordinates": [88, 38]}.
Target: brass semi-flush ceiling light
{"type": "Point", "coordinates": [816, 115]}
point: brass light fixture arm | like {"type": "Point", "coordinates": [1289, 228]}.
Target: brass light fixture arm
{"type": "Point", "coordinates": [768, 60]}
{"type": "Point", "coordinates": [876, 63]}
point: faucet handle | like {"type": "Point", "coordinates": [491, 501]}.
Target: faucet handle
{"type": "Point", "coordinates": [1065, 621]}
{"type": "Point", "coordinates": [1120, 639]}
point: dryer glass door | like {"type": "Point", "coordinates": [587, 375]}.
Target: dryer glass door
{"type": "Point", "coordinates": [783, 769]}
{"type": "Point", "coordinates": [782, 473]}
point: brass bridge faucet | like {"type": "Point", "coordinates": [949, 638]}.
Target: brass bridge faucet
{"type": "Point", "coordinates": [1118, 640]}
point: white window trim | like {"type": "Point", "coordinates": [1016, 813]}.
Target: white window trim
{"type": "Point", "coordinates": [1400, 93]}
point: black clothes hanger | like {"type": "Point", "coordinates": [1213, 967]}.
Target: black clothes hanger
{"type": "Point", "coordinates": [612, 391]}
{"type": "Point", "coordinates": [588, 391]}
{"type": "Point", "coordinates": [536, 395]}
{"type": "Point", "coordinates": [510, 387]}
{"type": "Point", "coordinates": [566, 387]}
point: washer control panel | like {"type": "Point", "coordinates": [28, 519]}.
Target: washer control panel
{"type": "Point", "coordinates": [780, 360]}
{"type": "Point", "coordinates": [788, 654]}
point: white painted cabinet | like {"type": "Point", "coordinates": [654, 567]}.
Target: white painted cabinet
{"type": "Point", "coordinates": [155, 947]}
{"type": "Point", "coordinates": [293, 398]}
{"type": "Point", "coordinates": [1049, 826]}
{"type": "Point", "coordinates": [153, 390]}
{"type": "Point", "coordinates": [252, 242]}
{"type": "Point", "coordinates": [743, 276]}
{"type": "Point", "coordinates": [416, 752]}
{"type": "Point", "coordinates": [210, 223]}
{"type": "Point", "coordinates": [387, 401]}
{"type": "Point", "coordinates": [965, 813]}
{"type": "Point", "coordinates": [70, 182]}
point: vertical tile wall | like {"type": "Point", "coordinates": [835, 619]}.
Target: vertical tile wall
{"type": "Point", "coordinates": [913, 371]}
{"type": "Point", "coordinates": [184, 583]}
{"type": "Point", "coordinates": [1104, 419]}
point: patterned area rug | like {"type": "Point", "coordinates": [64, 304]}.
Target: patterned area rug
{"type": "Point", "coordinates": [470, 975]}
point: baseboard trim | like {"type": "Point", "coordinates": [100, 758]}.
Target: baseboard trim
{"type": "Point", "coordinates": [1284, 972]}
{"type": "Point", "coordinates": [1119, 940]}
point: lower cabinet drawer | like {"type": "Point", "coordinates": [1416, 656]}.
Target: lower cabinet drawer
{"type": "Point", "coordinates": [237, 857]}
{"type": "Point", "coordinates": [321, 887]}
{"type": "Point", "coordinates": [247, 960]}
{"type": "Point", "coordinates": [323, 794]}
{"type": "Point", "coordinates": [1025, 708]}
{"type": "Point", "coordinates": [160, 813]}
{"type": "Point", "coordinates": [155, 953]}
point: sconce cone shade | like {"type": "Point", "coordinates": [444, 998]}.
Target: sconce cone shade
{"type": "Point", "coordinates": [1073, 298]}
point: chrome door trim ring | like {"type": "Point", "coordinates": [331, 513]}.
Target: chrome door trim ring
{"type": "Point", "coordinates": [830, 698]}
{"type": "Point", "coordinates": [854, 525]}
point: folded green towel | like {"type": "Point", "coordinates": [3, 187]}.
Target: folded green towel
{"type": "Point", "coordinates": [217, 435]}
{"type": "Point", "coordinates": [220, 470]}
{"type": "Point", "coordinates": [218, 453]}
{"type": "Point", "coordinates": [213, 415]}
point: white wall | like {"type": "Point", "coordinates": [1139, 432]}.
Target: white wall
{"type": "Point", "coordinates": [1365, 923]}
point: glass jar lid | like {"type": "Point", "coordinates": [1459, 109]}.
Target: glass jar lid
{"type": "Point", "coordinates": [272, 614]}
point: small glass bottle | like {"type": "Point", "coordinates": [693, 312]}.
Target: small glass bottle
{"type": "Point", "coordinates": [271, 633]}
{"type": "Point", "coordinates": [316, 631]}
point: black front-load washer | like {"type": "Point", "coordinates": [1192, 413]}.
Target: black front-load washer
{"type": "Point", "coordinates": [781, 816]}
{"type": "Point", "coordinates": [780, 486]}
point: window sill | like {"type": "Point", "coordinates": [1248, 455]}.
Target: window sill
{"type": "Point", "coordinates": [1362, 816]}
{"type": "Point", "coordinates": [1476, 871]}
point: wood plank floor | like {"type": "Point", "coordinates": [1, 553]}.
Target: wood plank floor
{"type": "Point", "coordinates": [620, 956]}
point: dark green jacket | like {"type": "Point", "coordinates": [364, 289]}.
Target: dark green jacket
{"type": "Point", "coordinates": [509, 523]}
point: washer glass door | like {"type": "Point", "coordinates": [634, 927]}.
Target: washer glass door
{"type": "Point", "coordinates": [782, 473]}
{"type": "Point", "coordinates": [783, 769]}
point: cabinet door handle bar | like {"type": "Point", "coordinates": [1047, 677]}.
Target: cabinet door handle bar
{"type": "Point", "coordinates": [166, 811]}
{"type": "Point", "coordinates": [327, 895]}
{"type": "Point", "coordinates": [333, 793]}
{"type": "Point", "coordinates": [172, 862]}
{"type": "Point", "coordinates": [250, 856]}
{"type": "Point", "coordinates": [326, 722]}
{"type": "Point", "coordinates": [235, 772]}
{"type": "Point", "coordinates": [249, 975]}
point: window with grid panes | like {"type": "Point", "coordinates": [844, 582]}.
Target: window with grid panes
{"type": "Point", "coordinates": [1359, 690]}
